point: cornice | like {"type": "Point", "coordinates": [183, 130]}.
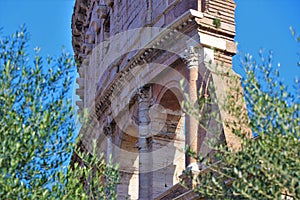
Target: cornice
{"type": "Point", "coordinates": [179, 25]}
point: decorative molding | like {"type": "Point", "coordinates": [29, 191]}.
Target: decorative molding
{"type": "Point", "coordinates": [102, 11]}
{"type": "Point", "coordinates": [145, 53]}
{"type": "Point", "coordinates": [96, 24]}
{"type": "Point", "coordinates": [90, 37]}
{"type": "Point", "coordinates": [109, 2]}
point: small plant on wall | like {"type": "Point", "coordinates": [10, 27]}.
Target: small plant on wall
{"type": "Point", "coordinates": [217, 22]}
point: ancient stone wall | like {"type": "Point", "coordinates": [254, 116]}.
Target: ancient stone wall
{"type": "Point", "coordinates": [131, 56]}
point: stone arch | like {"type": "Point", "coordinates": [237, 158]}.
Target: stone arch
{"type": "Point", "coordinates": [171, 86]}
{"type": "Point", "coordinates": [167, 146]}
{"type": "Point", "coordinates": [169, 100]}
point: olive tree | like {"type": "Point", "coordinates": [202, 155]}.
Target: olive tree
{"type": "Point", "coordinates": [267, 165]}
{"type": "Point", "coordinates": [37, 130]}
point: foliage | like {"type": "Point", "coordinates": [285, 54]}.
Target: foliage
{"type": "Point", "coordinates": [217, 22]}
{"type": "Point", "coordinates": [37, 130]}
{"type": "Point", "coordinates": [267, 166]}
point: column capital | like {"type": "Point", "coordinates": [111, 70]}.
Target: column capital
{"type": "Point", "coordinates": [192, 56]}
{"type": "Point", "coordinates": [144, 93]}
{"type": "Point", "coordinates": [109, 129]}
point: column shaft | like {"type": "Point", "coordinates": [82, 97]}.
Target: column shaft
{"type": "Point", "coordinates": [192, 122]}
{"type": "Point", "coordinates": [144, 154]}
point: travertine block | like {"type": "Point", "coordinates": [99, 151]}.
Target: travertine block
{"type": "Point", "coordinates": [112, 69]}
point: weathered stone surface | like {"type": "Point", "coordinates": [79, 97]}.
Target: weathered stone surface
{"type": "Point", "coordinates": [132, 56]}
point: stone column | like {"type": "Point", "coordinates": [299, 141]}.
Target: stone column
{"type": "Point", "coordinates": [108, 131]}
{"type": "Point", "coordinates": [144, 96]}
{"type": "Point", "coordinates": [193, 61]}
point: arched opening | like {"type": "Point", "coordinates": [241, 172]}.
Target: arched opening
{"type": "Point", "coordinates": [170, 101]}
{"type": "Point", "coordinates": [168, 141]}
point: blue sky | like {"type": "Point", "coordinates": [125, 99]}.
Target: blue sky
{"type": "Point", "coordinates": [265, 24]}
{"type": "Point", "coordinates": [48, 22]}
{"type": "Point", "coordinates": [260, 24]}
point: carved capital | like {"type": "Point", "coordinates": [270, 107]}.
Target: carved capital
{"type": "Point", "coordinates": [144, 93]}
{"type": "Point", "coordinates": [192, 56]}
{"type": "Point", "coordinates": [109, 129]}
